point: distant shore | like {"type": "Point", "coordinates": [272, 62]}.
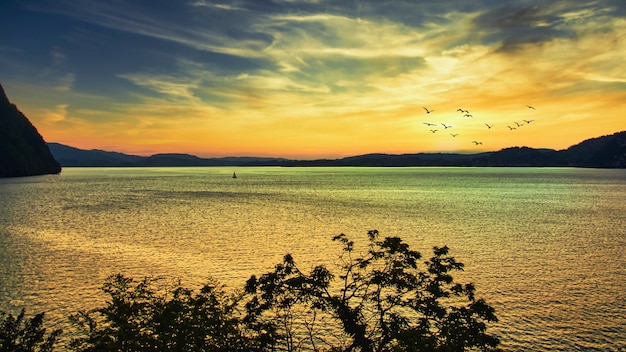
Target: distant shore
{"type": "Point", "coordinates": [602, 152]}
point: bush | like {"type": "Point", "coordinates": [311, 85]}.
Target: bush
{"type": "Point", "coordinates": [21, 334]}
{"type": "Point", "coordinates": [145, 316]}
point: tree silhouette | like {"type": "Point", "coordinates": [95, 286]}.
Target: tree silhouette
{"type": "Point", "coordinates": [145, 316]}
{"type": "Point", "coordinates": [383, 300]}
{"type": "Point", "coordinates": [21, 334]}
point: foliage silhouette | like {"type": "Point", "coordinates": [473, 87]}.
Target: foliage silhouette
{"type": "Point", "coordinates": [145, 316]}
{"type": "Point", "coordinates": [381, 300]}
{"type": "Point", "coordinates": [21, 334]}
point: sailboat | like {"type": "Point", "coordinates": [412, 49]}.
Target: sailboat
{"type": "Point", "coordinates": [234, 175]}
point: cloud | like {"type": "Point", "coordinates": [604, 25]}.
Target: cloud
{"type": "Point", "coordinates": [168, 86]}
{"type": "Point", "coordinates": [227, 6]}
{"type": "Point", "coordinates": [338, 51]}
{"type": "Point", "coordinates": [512, 26]}
{"type": "Point", "coordinates": [65, 83]}
{"type": "Point", "coordinates": [206, 31]}
{"type": "Point", "coordinates": [58, 114]}
{"type": "Point", "coordinates": [58, 58]}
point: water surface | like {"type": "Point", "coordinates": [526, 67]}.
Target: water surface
{"type": "Point", "coordinates": [545, 246]}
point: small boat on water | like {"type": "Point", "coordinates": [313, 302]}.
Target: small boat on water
{"type": "Point", "coordinates": [234, 175]}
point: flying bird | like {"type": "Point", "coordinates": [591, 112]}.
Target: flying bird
{"type": "Point", "coordinates": [519, 124]}
{"type": "Point", "coordinates": [511, 128]}
{"type": "Point", "coordinates": [468, 115]}
{"type": "Point", "coordinates": [433, 131]}
{"type": "Point", "coordinates": [454, 134]}
{"type": "Point", "coordinates": [445, 127]}
{"type": "Point", "coordinates": [528, 121]}
{"type": "Point", "coordinates": [488, 126]}
{"type": "Point", "coordinates": [531, 107]}
{"type": "Point", "coordinates": [430, 124]}
{"type": "Point", "coordinates": [428, 111]}
{"type": "Point", "coordinates": [477, 142]}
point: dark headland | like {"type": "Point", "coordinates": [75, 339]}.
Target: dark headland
{"type": "Point", "coordinates": [23, 151]}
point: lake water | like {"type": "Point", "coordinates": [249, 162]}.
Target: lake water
{"type": "Point", "coordinates": [545, 246]}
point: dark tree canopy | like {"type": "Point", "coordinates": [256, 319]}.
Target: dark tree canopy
{"type": "Point", "coordinates": [22, 334]}
{"type": "Point", "coordinates": [383, 300]}
{"type": "Point", "coordinates": [146, 316]}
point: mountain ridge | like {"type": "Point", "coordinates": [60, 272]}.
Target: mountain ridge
{"type": "Point", "coordinates": [607, 151]}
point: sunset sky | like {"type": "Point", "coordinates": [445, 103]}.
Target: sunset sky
{"type": "Point", "coordinates": [315, 78]}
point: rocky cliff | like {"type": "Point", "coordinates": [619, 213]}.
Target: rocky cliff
{"type": "Point", "coordinates": [23, 152]}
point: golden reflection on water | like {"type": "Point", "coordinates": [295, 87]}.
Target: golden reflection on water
{"type": "Point", "coordinates": [546, 247]}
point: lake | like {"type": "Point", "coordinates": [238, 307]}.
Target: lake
{"type": "Point", "coordinates": [545, 246]}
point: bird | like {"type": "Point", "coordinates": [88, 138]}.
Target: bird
{"type": "Point", "coordinates": [454, 134]}
{"type": "Point", "coordinates": [519, 124]}
{"type": "Point", "coordinates": [430, 124]}
{"type": "Point", "coordinates": [477, 142]}
{"type": "Point", "coordinates": [528, 121]}
{"type": "Point", "coordinates": [511, 128]}
{"type": "Point", "coordinates": [488, 126]}
{"type": "Point", "coordinates": [468, 115]}
{"type": "Point", "coordinates": [427, 111]}
{"type": "Point", "coordinates": [445, 127]}
{"type": "Point", "coordinates": [433, 131]}
{"type": "Point", "coordinates": [531, 107]}
{"type": "Point", "coordinates": [460, 110]}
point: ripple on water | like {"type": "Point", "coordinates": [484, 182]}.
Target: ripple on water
{"type": "Point", "coordinates": [546, 247]}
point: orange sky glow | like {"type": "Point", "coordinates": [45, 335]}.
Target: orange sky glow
{"type": "Point", "coordinates": [316, 81]}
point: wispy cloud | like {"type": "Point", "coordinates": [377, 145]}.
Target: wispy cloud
{"type": "Point", "coordinates": [126, 17]}
{"type": "Point", "coordinates": [227, 6]}
{"type": "Point", "coordinates": [59, 113]}
{"type": "Point", "coordinates": [173, 87]}
{"type": "Point", "coordinates": [65, 83]}
{"type": "Point", "coordinates": [514, 25]}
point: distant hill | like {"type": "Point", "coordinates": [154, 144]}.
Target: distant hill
{"type": "Point", "coordinates": [603, 152]}
{"type": "Point", "coordinates": [70, 156]}
{"type": "Point", "coordinates": [23, 151]}
{"type": "Point", "coordinates": [606, 151]}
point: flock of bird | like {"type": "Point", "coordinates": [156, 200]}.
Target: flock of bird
{"type": "Point", "coordinates": [466, 114]}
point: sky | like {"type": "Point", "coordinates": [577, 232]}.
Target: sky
{"type": "Point", "coordinates": [310, 79]}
